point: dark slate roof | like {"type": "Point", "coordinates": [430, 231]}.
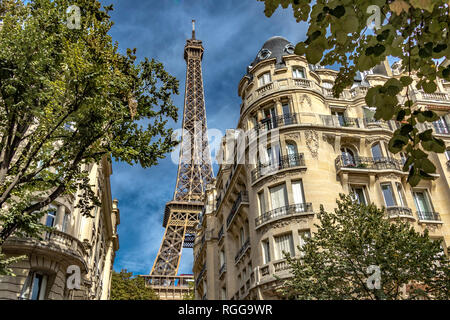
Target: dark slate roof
{"type": "Point", "coordinates": [275, 47]}
{"type": "Point", "coordinates": [278, 47]}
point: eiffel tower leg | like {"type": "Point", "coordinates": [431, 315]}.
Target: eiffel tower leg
{"type": "Point", "coordinates": [168, 259]}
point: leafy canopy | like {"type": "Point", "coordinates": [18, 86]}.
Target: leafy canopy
{"type": "Point", "coordinates": [69, 98]}
{"type": "Point", "coordinates": [125, 287]}
{"type": "Point", "coordinates": [415, 32]}
{"type": "Point", "coordinates": [354, 237]}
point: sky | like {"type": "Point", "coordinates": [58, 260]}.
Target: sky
{"type": "Point", "coordinates": [232, 31]}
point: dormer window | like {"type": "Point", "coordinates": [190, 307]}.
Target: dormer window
{"type": "Point", "coordinates": [264, 54]}
{"type": "Point", "coordinates": [289, 48]}
{"type": "Point", "coordinates": [264, 79]}
{"type": "Point", "coordinates": [298, 73]}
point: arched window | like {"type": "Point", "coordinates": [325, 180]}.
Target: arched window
{"type": "Point", "coordinates": [348, 157]}
{"type": "Point", "coordinates": [292, 153]}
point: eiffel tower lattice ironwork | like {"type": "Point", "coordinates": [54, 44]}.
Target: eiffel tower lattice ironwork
{"type": "Point", "coordinates": [194, 169]}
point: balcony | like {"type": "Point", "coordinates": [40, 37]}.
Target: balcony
{"type": "Point", "coordinates": [394, 212]}
{"type": "Point", "coordinates": [276, 122]}
{"type": "Point", "coordinates": [367, 163]}
{"type": "Point", "coordinates": [281, 266]}
{"type": "Point", "coordinates": [220, 234]}
{"type": "Point", "coordinates": [274, 270]}
{"type": "Point", "coordinates": [435, 96]}
{"type": "Point", "coordinates": [285, 162]}
{"type": "Point", "coordinates": [428, 216]}
{"type": "Point", "coordinates": [242, 251]}
{"type": "Point", "coordinates": [200, 275]}
{"type": "Point", "coordinates": [304, 83]}
{"type": "Point", "coordinates": [371, 123]}
{"type": "Point", "coordinates": [242, 198]}
{"type": "Point", "coordinates": [291, 210]}
{"type": "Point", "coordinates": [63, 246]}
{"type": "Point", "coordinates": [335, 121]}
{"type": "Point", "coordinates": [290, 84]}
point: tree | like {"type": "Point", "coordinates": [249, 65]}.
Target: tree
{"type": "Point", "coordinates": [353, 243]}
{"type": "Point", "coordinates": [416, 32]}
{"type": "Point", "coordinates": [124, 287]}
{"type": "Point", "coordinates": [191, 294]}
{"type": "Point", "coordinates": [68, 98]}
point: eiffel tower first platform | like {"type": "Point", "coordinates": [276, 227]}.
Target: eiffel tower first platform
{"type": "Point", "coordinates": [194, 173]}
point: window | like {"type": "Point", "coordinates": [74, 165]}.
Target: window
{"type": "Point", "coordinates": [403, 157]}
{"type": "Point", "coordinates": [359, 194]}
{"type": "Point", "coordinates": [284, 244]}
{"type": "Point", "coordinates": [270, 120]}
{"type": "Point", "coordinates": [273, 155]}
{"type": "Point", "coordinates": [266, 251]}
{"type": "Point", "coordinates": [223, 293]}
{"type": "Point", "coordinates": [287, 114]}
{"type": "Point", "coordinates": [441, 126]}
{"type": "Point", "coordinates": [66, 221]}
{"type": "Point", "coordinates": [341, 118]}
{"type": "Point", "coordinates": [447, 154]}
{"type": "Point", "coordinates": [302, 237]}
{"type": "Point", "coordinates": [401, 195]}
{"type": "Point", "coordinates": [264, 54]}
{"type": "Point", "coordinates": [292, 154]}
{"type": "Point", "coordinates": [242, 236]}
{"type": "Point", "coordinates": [376, 152]}
{"type": "Point", "coordinates": [38, 286]}
{"type": "Point", "coordinates": [348, 157]}
{"type": "Point", "coordinates": [222, 258]}
{"type": "Point", "coordinates": [299, 196]}
{"type": "Point", "coordinates": [388, 195]}
{"type": "Point", "coordinates": [327, 84]}
{"type": "Point", "coordinates": [262, 205]}
{"type": "Point", "coordinates": [298, 73]}
{"type": "Point", "coordinates": [278, 197]}
{"type": "Point", "coordinates": [423, 205]}
{"type": "Point", "coordinates": [51, 217]}
{"type": "Point", "coordinates": [264, 79]}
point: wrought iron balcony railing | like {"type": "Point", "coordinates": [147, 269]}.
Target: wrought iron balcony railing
{"type": "Point", "coordinates": [399, 211]}
{"type": "Point", "coordinates": [200, 275]}
{"type": "Point", "coordinates": [242, 251]}
{"type": "Point", "coordinates": [287, 161]}
{"type": "Point", "coordinates": [220, 234]}
{"type": "Point", "coordinates": [276, 122]}
{"type": "Point", "coordinates": [368, 163]}
{"type": "Point", "coordinates": [429, 216]}
{"type": "Point", "coordinates": [284, 211]}
{"type": "Point", "coordinates": [242, 197]}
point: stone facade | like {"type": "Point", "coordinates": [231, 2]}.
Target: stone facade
{"type": "Point", "coordinates": [318, 147]}
{"type": "Point", "coordinates": [87, 242]}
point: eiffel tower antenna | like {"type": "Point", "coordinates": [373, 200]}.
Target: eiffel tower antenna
{"type": "Point", "coordinates": [194, 169]}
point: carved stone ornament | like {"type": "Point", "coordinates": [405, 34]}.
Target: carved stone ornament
{"type": "Point", "coordinates": [305, 98]}
{"type": "Point", "coordinates": [312, 142]}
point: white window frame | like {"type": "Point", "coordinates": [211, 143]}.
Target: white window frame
{"type": "Point", "coordinates": [264, 79]}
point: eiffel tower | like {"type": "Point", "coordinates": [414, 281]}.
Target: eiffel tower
{"type": "Point", "coordinates": [194, 173]}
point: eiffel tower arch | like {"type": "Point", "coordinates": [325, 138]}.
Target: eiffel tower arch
{"type": "Point", "coordinates": [194, 173]}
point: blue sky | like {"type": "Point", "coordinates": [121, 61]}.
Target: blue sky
{"type": "Point", "coordinates": [232, 31]}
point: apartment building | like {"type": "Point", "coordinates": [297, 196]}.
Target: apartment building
{"type": "Point", "coordinates": [78, 242]}
{"type": "Point", "coordinates": [314, 147]}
